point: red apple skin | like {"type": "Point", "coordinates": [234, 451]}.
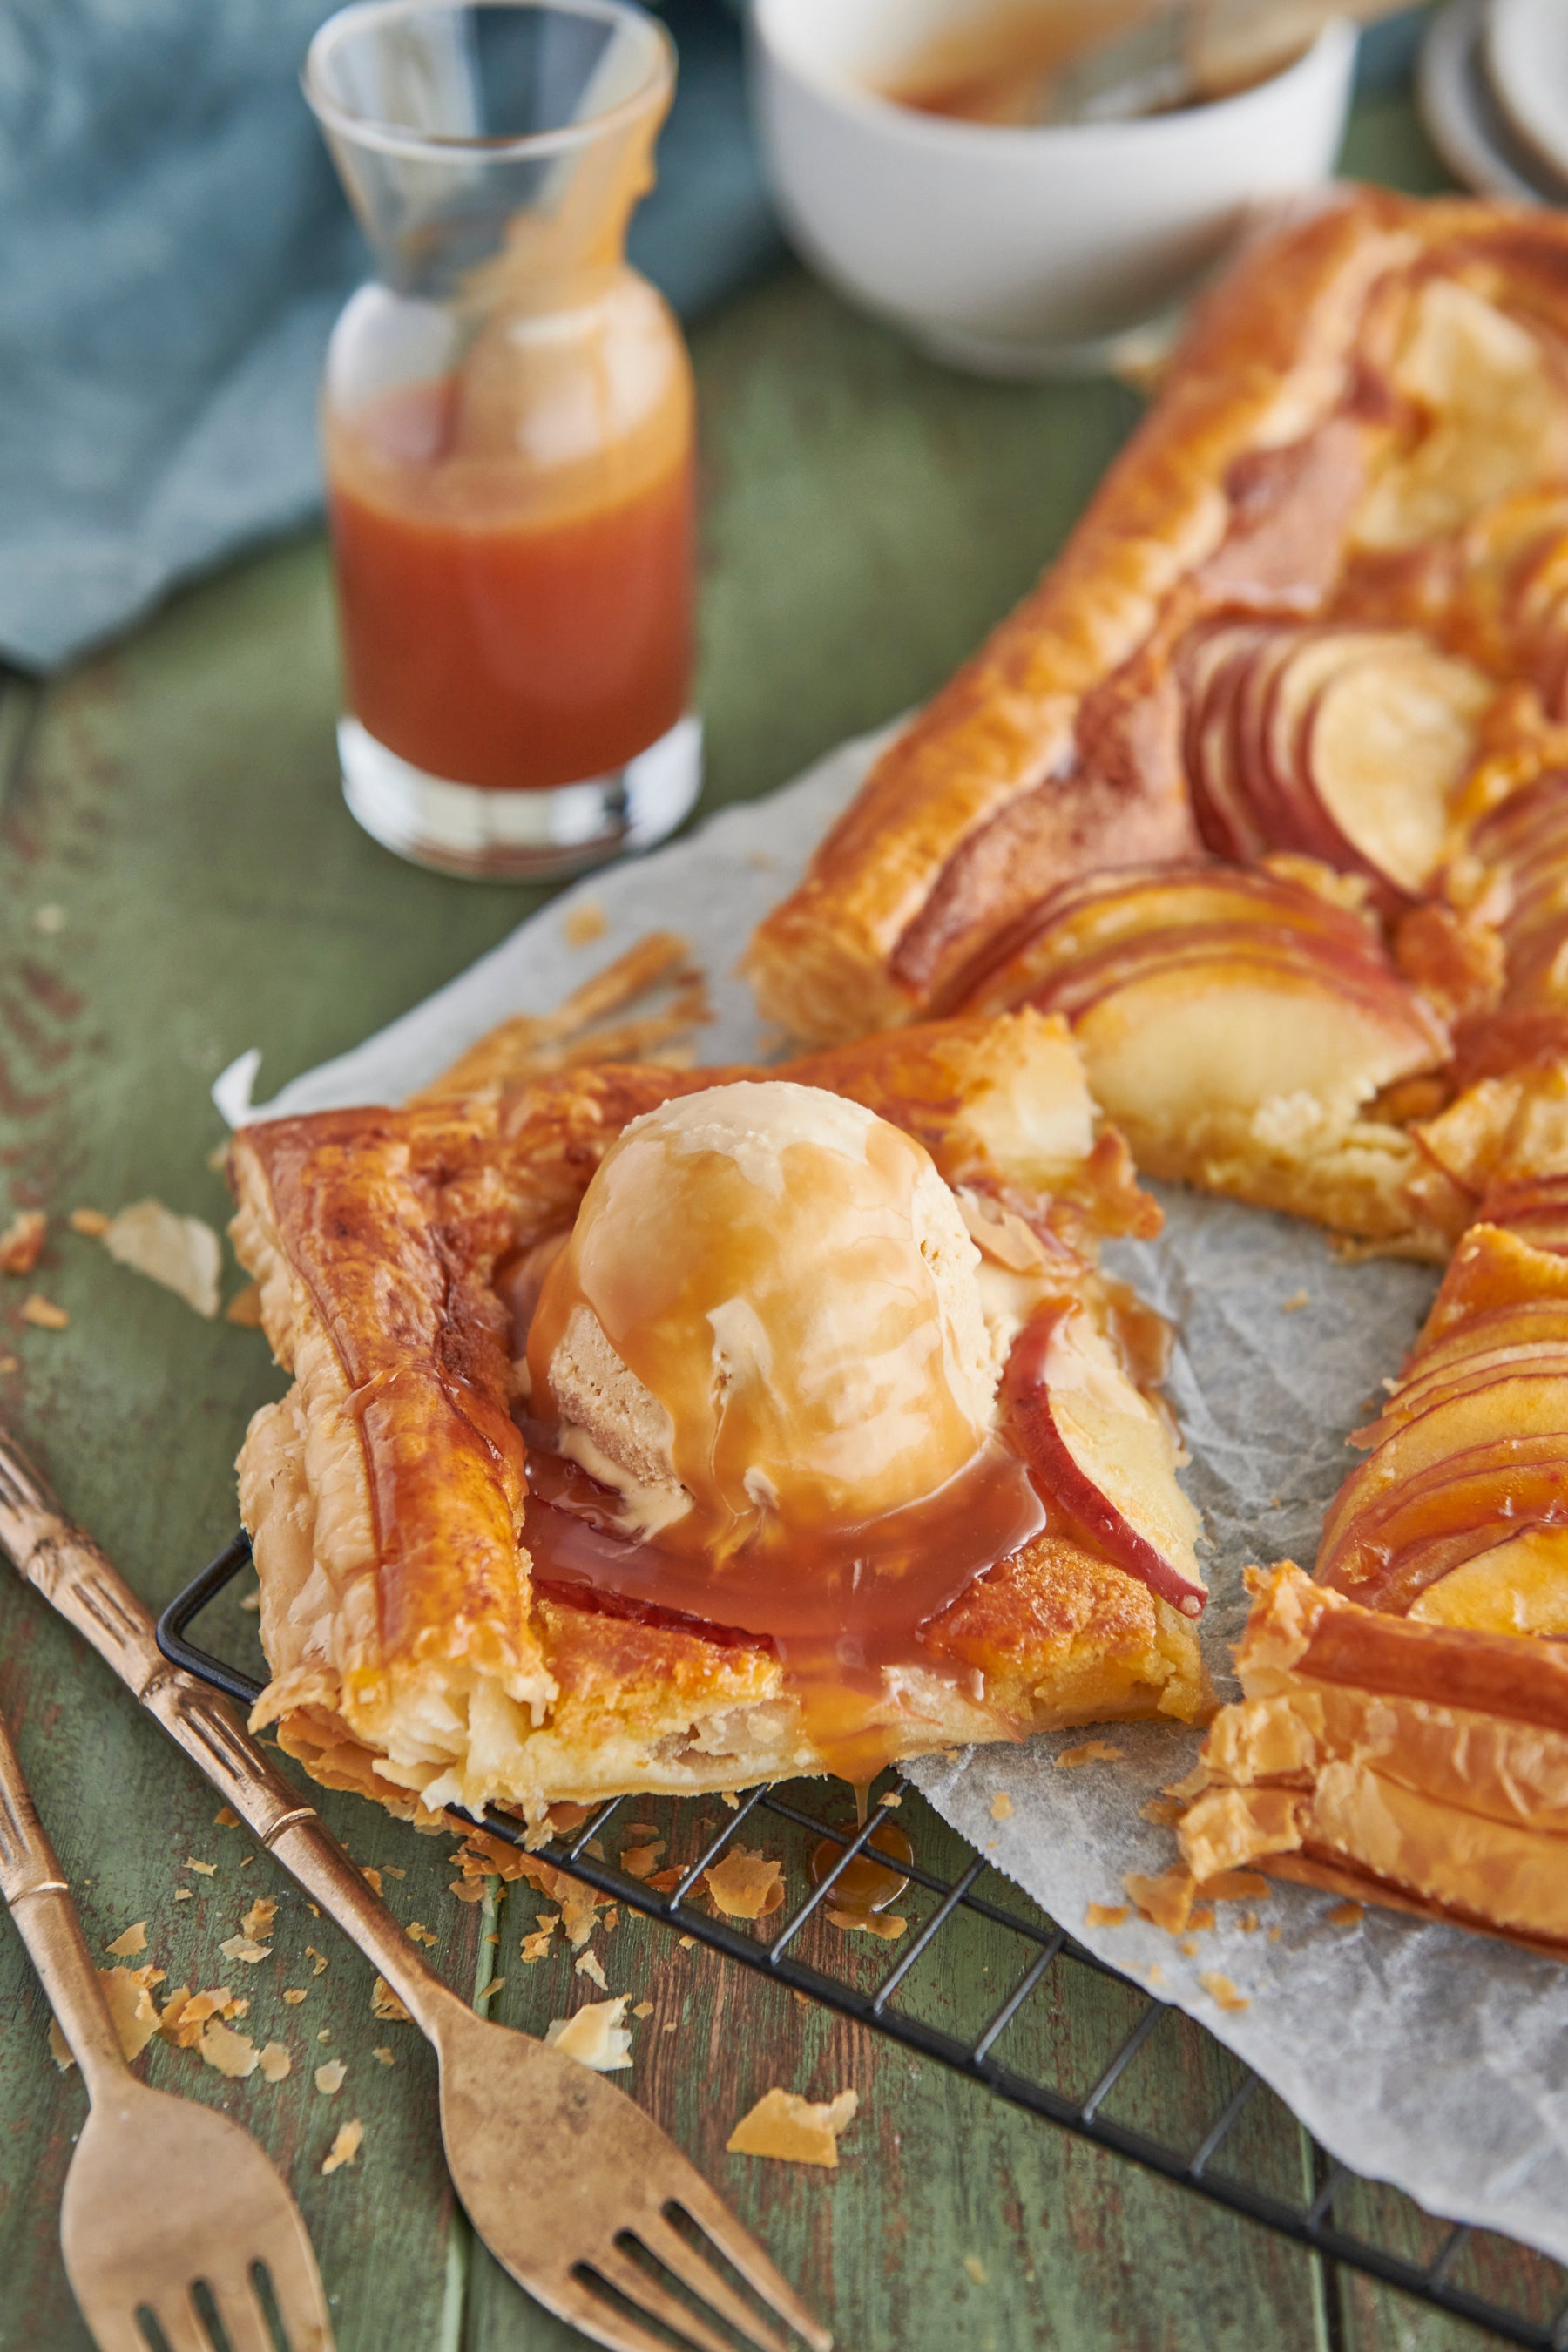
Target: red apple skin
{"type": "Point", "coordinates": [1026, 1394]}
{"type": "Point", "coordinates": [1412, 1536]}
{"type": "Point", "coordinates": [1224, 818]}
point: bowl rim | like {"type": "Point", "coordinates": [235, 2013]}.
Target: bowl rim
{"type": "Point", "coordinates": [858, 101]}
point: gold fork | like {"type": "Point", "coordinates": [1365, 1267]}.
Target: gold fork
{"type": "Point", "coordinates": [572, 2187]}
{"type": "Point", "coordinates": [160, 2193]}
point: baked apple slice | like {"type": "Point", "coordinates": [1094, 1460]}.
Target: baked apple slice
{"type": "Point", "coordinates": [1100, 1449]}
{"type": "Point", "coordinates": [1405, 1540]}
{"type": "Point", "coordinates": [1387, 743]}
{"type": "Point", "coordinates": [1518, 1585]}
{"type": "Point", "coordinates": [1461, 1379]}
{"type": "Point", "coordinates": [1501, 1416]}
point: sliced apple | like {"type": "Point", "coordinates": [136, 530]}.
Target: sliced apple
{"type": "Point", "coordinates": [1091, 917]}
{"type": "Point", "coordinates": [1400, 1540]}
{"type": "Point", "coordinates": [1528, 1323]}
{"type": "Point", "coordinates": [1216, 670]}
{"type": "Point", "coordinates": [1189, 1043]}
{"type": "Point", "coordinates": [1491, 1272]}
{"type": "Point", "coordinates": [1388, 742]}
{"type": "Point", "coordinates": [1100, 1450]}
{"type": "Point", "coordinates": [1519, 1586]}
{"type": "Point", "coordinates": [1501, 1416]}
{"type": "Point", "coordinates": [1454, 1380]}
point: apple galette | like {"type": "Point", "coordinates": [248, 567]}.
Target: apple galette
{"type": "Point", "coordinates": [658, 1429]}
{"type": "Point", "coordinates": [1265, 788]}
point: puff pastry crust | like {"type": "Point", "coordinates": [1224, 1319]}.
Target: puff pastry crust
{"type": "Point", "coordinates": [1362, 444]}
{"type": "Point", "coordinates": [413, 1654]}
{"type": "Point", "coordinates": [1404, 1731]}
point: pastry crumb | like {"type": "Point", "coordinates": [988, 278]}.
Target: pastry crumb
{"type": "Point", "coordinates": [234, 2054]}
{"type": "Point", "coordinates": [1221, 1990]}
{"type": "Point", "coordinates": [1002, 1806]}
{"type": "Point", "coordinates": [1090, 1751]}
{"type": "Point", "coordinates": [639, 1860]}
{"type": "Point", "coordinates": [179, 1253]}
{"type": "Point", "coordinates": [134, 1939]}
{"type": "Point", "coordinates": [225, 1817]}
{"type": "Point", "coordinates": [885, 1923]}
{"type": "Point", "coordinates": [976, 2268]}
{"type": "Point", "coordinates": [595, 2036]}
{"type": "Point", "coordinates": [183, 1894]}
{"type": "Point", "coordinates": [730, 1798]}
{"type": "Point", "coordinates": [589, 1965]}
{"type": "Point", "coordinates": [274, 2061]}
{"type": "Point", "coordinates": [22, 1243]}
{"type": "Point", "coordinates": [586, 923]}
{"type": "Point", "coordinates": [295, 1995]}
{"type": "Point", "coordinates": [1106, 1914]}
{"type": "Point", "coordinates": [1275, 1933]}
{"type": "Point", "coordinates": [91, 1221]}
{"type": "Point", "coordinates": [329, 2078]}
{"type": "Point", "coordinates": [240, 1948]}
{"type": "Point", "coordinates": [206, 1869]}
{"type": "Point", "coordinates": [467, 1890]}
{"type": "Point", "coordinates": [321, 1959]}
{"type": "Point", "coordinates": [536, 1947]}
{"type": "Point", "coordinates": [686, 1942]}
{"type": "Point", "coordinates": [43, 1313]}
{"type": "Point", "coordinates": [1166, 1900]}
{"type": "Point", "coordinates": [643, 2009]}
{"type": "Point", "coordinates": [1250, 1922]}
{"type": "Point", "coordinates": [383, 2004]}
{"type": "Point", "coordinates": [746, 1885]}
{"type": "Point", "coordinates": [485, 1990]}
{"type": "Point", "coordinates": [794, 2130]}
{"type": "Point", "coordinates": [384, 2056]}
{"type": "Point", "coordinates": [1200, 1918]}
{"type": "Point", "coordinates": [345, 2146]}
{"type": "Point", "coordinates": [245, 1308]}
{"type": "Point", "coordinates": [258, 1920]}
{"type": "Point", "coordinates": [419, 1932]}
{"type": "Point", "coordinates": [1163, 1812]}
{"type": "Point", "coordinates": [1294, 1304]}
{"type": "Point", "coordinates": [1343, 1915]}
{"type": "Point", "coordinates": [1236, 1886]}
{"type": "Point", "coordinates": [893, 1797]}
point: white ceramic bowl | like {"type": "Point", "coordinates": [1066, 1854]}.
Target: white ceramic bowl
{"type": "Point", "coordinates": [1015, 252]}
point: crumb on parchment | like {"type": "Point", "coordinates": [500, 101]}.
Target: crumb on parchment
{"type": "Point", "coordinates": [1106, 1914]}
{"type": "Point", "coordinates": [1001, 1806]}
{"type": "Point", "coordinates": [1221, 1990]}
{"type": "Point", "coordinates": [1090, 1751]}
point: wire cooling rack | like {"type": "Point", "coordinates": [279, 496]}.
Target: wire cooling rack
{"type": "Point", "coordinates": [1448, 2268]}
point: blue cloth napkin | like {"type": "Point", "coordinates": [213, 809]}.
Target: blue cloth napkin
{"type": "Point", "coordinates": [174, 249]}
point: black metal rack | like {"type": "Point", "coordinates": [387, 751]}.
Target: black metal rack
{"type": "Point", "coordinates": [981, 1893]}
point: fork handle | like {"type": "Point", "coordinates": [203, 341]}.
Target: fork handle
{"type": "Point", "coordinates": [35, 1887]}
{"type": "Point", "coordinates": [67, 1568]}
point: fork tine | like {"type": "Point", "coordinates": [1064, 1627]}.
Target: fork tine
{"type": "Point", "coordinates": [714, 2218]}
{"type": "Point", "coordinates": [183, 2327]}
{"type": "Point", "coordinates": [694, 2270]}
{"type": "Point", "coordinates": [282, 2246]}
{"type": "Point", "coordinates": [651, 2294]}
{"type": "Point", "coordinates": [570, 2299]}
{"type": "Point", "coordinates": [241, 2314]}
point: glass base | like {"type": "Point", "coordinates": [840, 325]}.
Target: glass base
{"type": "Point", "coordinates": [519, 836]}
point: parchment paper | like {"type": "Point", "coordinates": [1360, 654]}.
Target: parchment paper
{"type": "Point", "coordinates": [1419, 2055]}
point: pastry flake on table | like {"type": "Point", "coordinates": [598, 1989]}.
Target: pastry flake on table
{"type": "Point", "coordinates": [779, 1343]}
{"type": "Point", "coordinates": [1275, 752]}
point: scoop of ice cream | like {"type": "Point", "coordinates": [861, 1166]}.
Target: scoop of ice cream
{"type": "Point", "coordinates": [769, 1305]}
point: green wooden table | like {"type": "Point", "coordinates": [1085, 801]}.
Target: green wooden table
{"type": "Point", "coordinates": [180, 881]}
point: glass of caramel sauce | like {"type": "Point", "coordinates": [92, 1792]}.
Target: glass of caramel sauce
{"type": "Point", "coordinates": [508, 429]}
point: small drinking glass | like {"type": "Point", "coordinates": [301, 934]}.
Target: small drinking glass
{"type": "Point", "coordinates": [508, 422]}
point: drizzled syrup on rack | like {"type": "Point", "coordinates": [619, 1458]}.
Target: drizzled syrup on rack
{"type": "Point", "coordinates": [867, 1882]}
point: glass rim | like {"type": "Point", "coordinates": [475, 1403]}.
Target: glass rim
{"type": "Point", "coordinates": [392, 138]}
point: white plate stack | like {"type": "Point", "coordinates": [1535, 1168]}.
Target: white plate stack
{"type": "Point", "coordinates": [1492, 87]}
